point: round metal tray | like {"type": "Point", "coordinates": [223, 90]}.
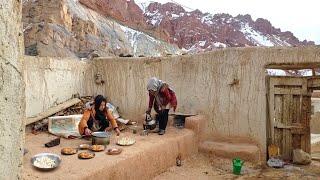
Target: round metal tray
{"type": "Point", "coordinates": [54, 157]}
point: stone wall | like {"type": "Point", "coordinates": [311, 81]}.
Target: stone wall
{"type": "Point", "coordinates": [50, 81]}
{"type": "Point", "coordinates": [228, 86]}
{"type": "Point", "coordinates": [12, 102]}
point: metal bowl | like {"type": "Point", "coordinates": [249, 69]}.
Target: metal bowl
{"type": "Point", "coordinates": [56, 158]}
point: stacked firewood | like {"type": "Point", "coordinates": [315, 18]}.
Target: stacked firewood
{"type": "Point", "coordinates": [77, 108]}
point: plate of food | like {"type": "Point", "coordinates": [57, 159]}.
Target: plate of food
{"type": "Point", "coordinates": [114, 151]}
{"type": "Point", "coordinates": [86, 155]}
{"type": "Point", "coordinates": [69, 151]}
{"type": "Point", "coordinates": [46, 161]}
{"type": "Point", "coordinates": [97, 148]}
{"type": "Point", "coordinates": [84, 146]}
{"type": "Point", "coordinates": [126, 141]}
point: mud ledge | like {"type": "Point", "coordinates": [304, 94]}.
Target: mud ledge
{"type": "Point", "coordinates": [150, 156]}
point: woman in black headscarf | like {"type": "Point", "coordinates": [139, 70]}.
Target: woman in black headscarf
{"type": "Point", "coordinates": [97, 118]}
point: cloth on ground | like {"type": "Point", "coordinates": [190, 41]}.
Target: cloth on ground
{"type": "Point", "coordinates": [64, 126]}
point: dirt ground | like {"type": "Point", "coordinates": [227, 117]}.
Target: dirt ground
{"type": "Point", "coordinates": [201, 167]}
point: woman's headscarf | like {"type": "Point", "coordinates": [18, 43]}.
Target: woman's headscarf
{"type": "Point", "coordinates": [154, 84]}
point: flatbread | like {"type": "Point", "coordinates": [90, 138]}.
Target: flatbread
{"type": "Point", "coordinates": [97, 148]}
{"type": "Point", "coordinates": [86, 155]}
{"type": "Point", "coordinates": [68, 151]}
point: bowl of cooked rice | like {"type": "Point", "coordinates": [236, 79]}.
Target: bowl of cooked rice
{"type": "Point", "coordinates": [46, 161]}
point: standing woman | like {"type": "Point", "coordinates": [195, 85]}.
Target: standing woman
{"type": "Point", "coordinates": [162, 98]}
{"type": "Point", "coordinates": [97, 118]}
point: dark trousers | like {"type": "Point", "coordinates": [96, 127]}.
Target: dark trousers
{"type": "Point", "coordinates": [162, 117]}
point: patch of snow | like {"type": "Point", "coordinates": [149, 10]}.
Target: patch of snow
{"type": "Point", "coordinates": [207, 19]}
{"type": "Point", "coordinates": [255, 36]}
{"type": "Point", "coordinates": [175, 16]}
{"type": "Point", "coordinates": [280, 42]}
{"type": "Point", "coordinates": [143, 4]}
{"type": "Point", "coordinates": [228, 21]}
{"type": "Point", "coordinates": [202, 43]}
{"type": "Point", "coordinates": [154, 18]}
{"type": "Point", "coordinates": [133, 36]}
{"type": "Point", "coordinates": [315, 138]}
{"type": "Point", "coordinates": [276, 72]}
{"type": "Point", "coordinates": [305, 72]}
{"type": "Point", "coordinates": [219, 44]}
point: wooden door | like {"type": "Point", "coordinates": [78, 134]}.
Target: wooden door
{"type": "Point", "coordinates": [288, 125]}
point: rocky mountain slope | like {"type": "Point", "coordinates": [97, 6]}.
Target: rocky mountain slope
{"type": "Point", "coordinates": [82, 28]}
{"type": "Point", "coordinates": [65, 28]}
{"type": "Point", "coordinates": [197, 31]}
{"type": "Point", "coordinates": [194, 30]}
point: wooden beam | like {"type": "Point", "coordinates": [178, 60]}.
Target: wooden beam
{"type": "Point", "coordinates": [52, 110]}
{"type": "Point", "coordinates": [292, 66]}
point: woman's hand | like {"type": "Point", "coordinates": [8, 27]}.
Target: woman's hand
{"type": "Point", "coordinates": [108, 129]}
{"type": "Point", "coordinates": [87, 132]}
{"type": "Point", "coordinates": [173, 107]}
{"type": "Point", "coordinates": [148, 111]}
{"type": "Point", "coordinates": [117, 130]}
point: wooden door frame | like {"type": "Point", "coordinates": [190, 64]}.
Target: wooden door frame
{"type": "Point", "coordinates": [312, 83]}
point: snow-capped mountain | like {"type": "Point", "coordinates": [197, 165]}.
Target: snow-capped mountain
{"type": "Point", "coordinates": [139, 28]}
{"type": "Point", "coordinates": [197, 31]}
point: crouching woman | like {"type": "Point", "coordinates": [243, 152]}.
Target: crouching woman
{"type": "Point", "coordinates": [97, 118]}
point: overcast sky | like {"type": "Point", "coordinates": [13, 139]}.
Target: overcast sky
{"type": "Point", "coordinates": [301, 17]}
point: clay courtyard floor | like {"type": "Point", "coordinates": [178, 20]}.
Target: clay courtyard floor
{"type": "Point", "coordinates": [155, 154]}
{"type": "Point", "coordinates": [202, 167]}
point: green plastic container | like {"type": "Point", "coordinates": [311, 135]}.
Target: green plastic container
{"type": "Point", "coordinates": [237, 165]}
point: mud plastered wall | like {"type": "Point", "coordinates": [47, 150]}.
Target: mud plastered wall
{"type": "Point", "coordinates": [50, 81]}
{"type": "Point", "coordinates": [228, 86]}
{"type": "Point", "coordinates": [12, 101]}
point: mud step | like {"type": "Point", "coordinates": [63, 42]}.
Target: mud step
{"type": "Point", "coordinates": [248, 152]}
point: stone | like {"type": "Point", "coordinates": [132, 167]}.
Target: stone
{"type": "Point", "coordinates": [301, 157]}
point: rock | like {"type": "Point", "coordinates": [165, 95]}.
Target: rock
{"type": "Point", "coordinates": [63, 28]}
{"type": "Point", "coordinates": [126, 55]}
{"type": "Point", "coordinates": [197, 31]}
{"type": "Point", "coordinates": [301, 157]}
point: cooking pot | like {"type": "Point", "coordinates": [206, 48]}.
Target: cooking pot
{"type": "Point", "coordinates": [101, 138]}
{"type": "Point", "coordinates": [149, 123]}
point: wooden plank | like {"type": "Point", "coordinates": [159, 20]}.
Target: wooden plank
{"type": "Point", "coordinates": [292, 66]}
{"type": "Point", "coordinates": [295, 91]}
{"type": "Point", "coordinates": [278, 133]}
{"type": "Point", "coordinates": [287, 81]}
{"type": "Point", "coordinates": [280, 125]}
{"type": "Point", "coordinates": [314, 83]}
{"type": "Point", "coordinates": [289, 123]}
{"type": "Point", "coordinates": [307, 127]}
{"type": "Point", "coordinates": [304, 116]}
{"type": "Point", "coordinates": [287, 137]}
{"type": "Point", "coordinates": [52, 110]}
{"type": "Point", "coordinates": [271, 107]}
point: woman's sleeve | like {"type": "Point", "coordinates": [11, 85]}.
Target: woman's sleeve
{"type": "Point", "coordinates": [83, 121]}
{"type": "Point", "coordinates": [151, 100]}
{"type": "Point", "coordinates": [111, 119]}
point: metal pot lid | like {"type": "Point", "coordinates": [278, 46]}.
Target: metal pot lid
{"type": "Point", "coordinates": [100, 134]}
